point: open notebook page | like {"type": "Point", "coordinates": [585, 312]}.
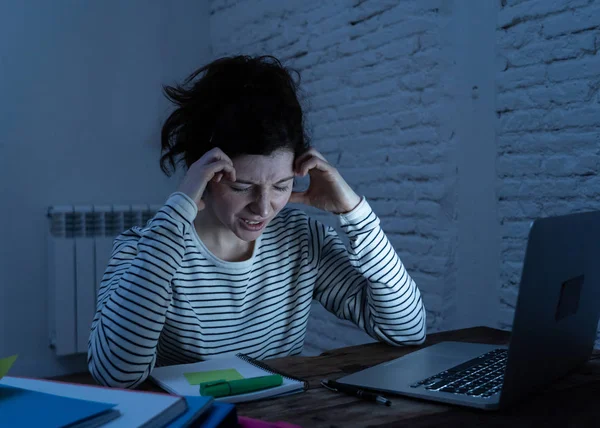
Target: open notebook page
{"type": "Point", "coordinates": [172, 378]}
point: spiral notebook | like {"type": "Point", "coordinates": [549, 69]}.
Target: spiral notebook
{"type": "Point", "coordinates": [184, 379]}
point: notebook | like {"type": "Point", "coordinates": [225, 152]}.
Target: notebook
{"type": "Point", "coordinates": [184, 379]}
{"type": "Point", "coordinates": [137, 408]}
{"type": "Point", "coordinates": [23, 407]}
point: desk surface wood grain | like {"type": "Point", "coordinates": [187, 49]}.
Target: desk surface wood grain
{"type": "Point", "coordinates": [571, 402]}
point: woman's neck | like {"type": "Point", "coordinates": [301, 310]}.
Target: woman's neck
{"type": "Point", "coordinates": [221, 241]}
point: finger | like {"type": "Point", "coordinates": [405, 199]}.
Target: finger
{"type": "Point", "coordinates": [310, 153]}
{"type": "Point", "coordinates": [301, 159]}
{"type": "Point", "coordinates": [229, 173]}
{"type": "Point", "coordinates": [223, 168]}
{"type": "Point", "coordinates": [297, 197]}
{"type": "Point", "coordinates": [218, 154]}
{"type": "Point", "coordinates": [212, 156]}
{"type": "Point", "coordinates": [313, 163]}
{"type": "Point", "coordinates": [316, 153]}
{"type": "Point", "coordinates": [228, 170]}
{"type": "Point", "coordinates": [217, 177]}
{"type": "Point", "coordinates": [217, 157]}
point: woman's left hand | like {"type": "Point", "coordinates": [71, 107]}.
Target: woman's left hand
{"type": "Point", "coordinates": [327, 190]}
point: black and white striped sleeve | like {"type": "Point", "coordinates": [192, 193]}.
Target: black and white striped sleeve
{"type": "Point", "coordinates": [367, 283]}
{"type": "Point", "coordinates": [135, 293]}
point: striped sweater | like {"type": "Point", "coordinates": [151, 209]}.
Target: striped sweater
{"type": "Point", "coordinates": [166, 299]}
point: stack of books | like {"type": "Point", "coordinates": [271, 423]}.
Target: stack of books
{"type": "Point", "coordinates": [47, 403]}
{"type": "Point", "coordinates": [44, 403]}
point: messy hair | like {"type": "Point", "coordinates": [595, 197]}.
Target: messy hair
{"type": "Point", "coordinates": [241, 104]}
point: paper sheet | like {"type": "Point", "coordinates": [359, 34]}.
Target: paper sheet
{"type": "Point", "coordinates": [5, 365]}
{"type": "Point", "coordinates": [172, 379]}
{"type": "Point", "coordinates": [197, 378]}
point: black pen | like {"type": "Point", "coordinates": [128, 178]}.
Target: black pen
{"type": "Point", "coordinates": [357, 392]}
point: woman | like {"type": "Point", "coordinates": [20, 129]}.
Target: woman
{"type": "Point", "coordinates": [223, 267]}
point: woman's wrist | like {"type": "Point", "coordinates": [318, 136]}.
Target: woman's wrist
{"type": "Point", "coordinates": [351, 206]}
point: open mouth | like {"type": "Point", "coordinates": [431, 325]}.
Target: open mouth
{"type": "Point", "coordinates": [253, 225]}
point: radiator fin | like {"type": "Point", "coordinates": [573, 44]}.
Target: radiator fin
{"type": "Point", "coordinates": [79, 244]}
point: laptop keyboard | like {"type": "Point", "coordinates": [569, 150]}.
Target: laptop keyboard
{"type": "Point", "coordinates": [480, 377]}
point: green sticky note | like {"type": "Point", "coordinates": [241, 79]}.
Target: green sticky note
{"type": "Point", "coordinates": [5, 365]}
{"type": "Point", "coordinates": [201, 377]}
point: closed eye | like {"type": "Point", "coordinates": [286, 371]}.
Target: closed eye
{"type": "Point", "coordinates": [245, 189]}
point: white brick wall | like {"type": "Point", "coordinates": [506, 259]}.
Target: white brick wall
{"type": "Point", "coordinates": [373, 81]}
{"type": "Point", "coordinates": [548, 134]}
{"type": "Point", "coordinates": [390, 88]}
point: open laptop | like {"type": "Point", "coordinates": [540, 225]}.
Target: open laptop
{"type": "Point", "coordinates": [553, 332]}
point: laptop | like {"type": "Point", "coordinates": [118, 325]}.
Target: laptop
{"type": "Point", "coordinates": [553, 333]}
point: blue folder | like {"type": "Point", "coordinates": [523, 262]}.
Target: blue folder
{"type": "Point", "coordinates": [219, 415]}
{"type": "Point", "coordinates": [196, 406]}
{"type": "Point", "coordinates": [22, 407]}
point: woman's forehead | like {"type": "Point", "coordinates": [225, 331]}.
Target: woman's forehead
{"type": "Point", "coordinates": [261, 168]}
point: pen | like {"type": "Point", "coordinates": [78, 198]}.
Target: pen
{"type": "Point", "coordinates": [357, 392]}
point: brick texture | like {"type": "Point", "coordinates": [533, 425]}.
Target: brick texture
{"type": "Point", "coordinates": [548, 134]}
{"type": "Point", "coordinates": [373, 84]}
{"type": "Point", "coordinates": [377, 80]}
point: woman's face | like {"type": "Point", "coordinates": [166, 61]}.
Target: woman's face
{"type": "Point", "coordinates": [262, 188]}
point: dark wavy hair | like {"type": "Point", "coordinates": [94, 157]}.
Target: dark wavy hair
{"type": "Point", "coordinates": [241, 104]}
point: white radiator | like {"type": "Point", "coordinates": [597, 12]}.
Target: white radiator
{"type": "Point", "coordinates": [80, 241]}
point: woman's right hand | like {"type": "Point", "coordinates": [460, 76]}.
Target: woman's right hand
{"type": "Point", "coordinates": [213, 165]}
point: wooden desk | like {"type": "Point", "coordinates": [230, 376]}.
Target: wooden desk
{"type": "Point", "coordinates": [570, 402]}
